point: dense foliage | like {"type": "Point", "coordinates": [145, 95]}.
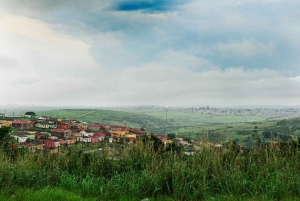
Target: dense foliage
{"type": "Point", "coordinates": [143, 171]}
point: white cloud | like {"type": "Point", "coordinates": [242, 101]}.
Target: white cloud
{"type": "Point", "coordinates": [164, 58]}
{"type": "Point", "coordinates": [246, 49]}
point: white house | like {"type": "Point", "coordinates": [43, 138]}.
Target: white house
{"type": "Point", "coordinates": [84, 139]}
{"type": "Point", "coordinates": [85, 133]}
{"type": "Point", "coordinates": [20, 139]}
{"type": "Point", "coordinates": [23, 138]}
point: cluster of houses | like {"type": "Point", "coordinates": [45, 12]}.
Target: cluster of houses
{"type": "Point", "coordinates": [50, 133]}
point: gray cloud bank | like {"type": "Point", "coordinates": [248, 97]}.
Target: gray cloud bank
{"type": "Point", "coordinates": [149, 52]}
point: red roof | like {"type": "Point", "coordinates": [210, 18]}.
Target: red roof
{"type": "Point", "coordinates": [15, 146]}
{"type": "Point", "coordinates": [99, 134]}
{"type": "Point", "coordinates": [161, 136]}
{"type": "Point", "coordinates": [20, 122]}
{"type": "Point", "coordinates": [29, 145]}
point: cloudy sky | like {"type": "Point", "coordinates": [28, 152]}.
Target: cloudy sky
{"type": "Point", "coordinates": [149, 52]}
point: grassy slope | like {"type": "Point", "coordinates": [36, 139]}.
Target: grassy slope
{"type": "Point", "coordinates": [142, 173]}
{"type": "Point", "coordinates": [63, 113]}
{"type": "Point", "coordinates": [109, 117]}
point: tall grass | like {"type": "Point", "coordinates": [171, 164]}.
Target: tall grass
{"type": "Point", "coordinates": [140, 172]}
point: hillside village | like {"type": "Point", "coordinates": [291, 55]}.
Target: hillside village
{"type": "Point", "coordinates": [43, 133]}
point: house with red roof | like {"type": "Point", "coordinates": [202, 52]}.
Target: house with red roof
{"type": "Point", "coordinates": [64, 125]}
{"type": "Point", "coordinates": [70, 140]}
{"type": "Point", "coordinates": [32, 147]}
{"type": "Point", "coordinates": [100, 136]}
{"type": "Point", "coordinates": [98, 126]}
{"type": "Point", "coordinates": [50, 143]}
{"type": "Point", "coordinates": [21, 124]}
{"type": "Point", "coordinates": [94, 139]}
{"type": "Point", "coordinates": [136, 131]}
{"type": "Point", "coordinates": [61, 141]}
{"type": "Point", "coordinates": [119, 128]}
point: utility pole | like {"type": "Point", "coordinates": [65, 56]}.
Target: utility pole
{"type": "Point", "coordinates": [167, 109]}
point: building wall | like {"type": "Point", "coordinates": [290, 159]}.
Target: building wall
{"type": "Point", "coordinates": [6, 123]}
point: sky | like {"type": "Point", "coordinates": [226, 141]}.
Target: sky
{"type": "Point", "coordinates": [149, 52]}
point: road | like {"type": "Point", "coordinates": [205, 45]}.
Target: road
{"type": "Point", "coordinates": [85, 114]}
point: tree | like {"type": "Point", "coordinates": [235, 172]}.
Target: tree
{"type": "Point", "coordinates": [158, 145]}
{"type": "Point", "coordinates": [45, 137]}
{"type": "Point", "coordinates": [6, 141]}
{"type": "Point", "coordinates": [257, 137]}
{"type": "Point", "coordinates": [171, 136]}
{"type": "Point", "coordinates": [188, 139]}
{"type": "Point", "coordinates": [4, 132]}
{"type": "Point", "coordinates": [174, 147]}
{"type": "Point", "coordinates": [233, 146]}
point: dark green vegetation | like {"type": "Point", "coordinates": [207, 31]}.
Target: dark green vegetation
{"type": "Point", "coordinates": [146, 172]}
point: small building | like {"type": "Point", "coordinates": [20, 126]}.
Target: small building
{"type": "Point", "coordinates": [101, 136]}
{"type": "Point", "coordinates": [86, 133]}
{"type": "Point", "coordinates": [118, 133]}
{"type": "Point", "coordinates": [53, 138]}
{"type": "Point", "coordinates": [32, 147]}
{"type": "Point", "coordinates": [22, 136]}
{"type": "Point", "coordinates": [42, 124]}
{"type": "Point", "coordinates": [76, 126]}
{"type": "Point", "coordinates": [61, 133]}
{"type": "Point", "coordinates": [84, 139]}
{"type": "Point", "coordinates": [21, 124]}
{"type": "Point", "coordinates": [97, 127]}
{"type": "Point", "coordinates": [119, 128]}
{"type": "Point", "coordinates": [84, 126]}
{"type": "Point", "coordinates": [61, 141]}
{"type": "Point", "coordinates": [6, 123]}
{"type": "Point", "coordinates": [63, 125]}
{"type": "Point", "coordinates": [75, 133]}
{"type": "Point", "coordinates": [70, 140]}
{"type": "Point", "coordinates": [45, 124]}
{"type": "Point", "coordinates": [94, 139]}
{"type": "Point", "coordinates": [42, 118]}
{"type": "Point", "coordinates": [136, 131]}
{"type": "Point", "coordinates": [51, 143]}
{"type": "Point", "coordinates": [29, 115]}
{"type": "Point", "coordinates": [20, 139]}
